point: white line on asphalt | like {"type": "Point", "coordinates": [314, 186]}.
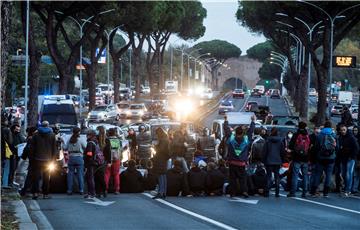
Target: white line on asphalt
{"type": "Point", "coordinates": [99, 202]}
{"type": "Point", "coordinates": [356, 197]}
{"type": "Point", "coordinates": [323, 204]}
{"type": "Point", "coordinates": [204, 218]}
{"type": "Point", "coordinates": [235, 199]}
{"type": "Point", "coordinates": [246, 101]}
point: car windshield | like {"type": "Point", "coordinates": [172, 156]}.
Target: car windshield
{"type": "Point", "coordinates": [124, 91]}
{"type": "Point", "coordinates": [103, 88]}
{"type": "Point", "coordinates": [123, 106]}
{"type": "Point", "coordinates": [227, 103]}
{"type": "Point", "coordinates": [100, 108]}
{"type": "Point", "coordinates": [136, 106]}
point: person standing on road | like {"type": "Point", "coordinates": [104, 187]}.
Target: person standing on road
{"type": "Point", "coordinates": [355, 187]}
{"type": "Point", "coordinates": [144, 143]}
{"type": "Point", "coordinates": [300, 146]}
{"type": "Point", "coordinates": [347, 152]}
{"type": "Point", "coordinates": [6, 142]}
{"type": "Point", "coordinates": [325, 147]}
{"type": "Point", "coordinates": [206, 144]}
{"type": "Point", "coordinates": [113, 156]}
{"type": "Point", "coordinates": [89, 162]}
{"type": "Point", "coordinates": [99, 174]}
{"type": "Point", "coordinates": [75, 148]}
{"type": "Point", "coordinates": [273, 158]}
{"type": "Point", "coordinates": [178, 149]}
{"type": "Point", "coordinates": [238, 152]}
{"type": "Point", "coordinates": [132, 143]}
{"type": "Point", "coordinates": [43, 152]}
{"type": "Point", "coordinates": [160, 161]}
{"type": "Point", "coordinates": [17, 139]}
{"type": "Point", "coordinates": [346, 117]}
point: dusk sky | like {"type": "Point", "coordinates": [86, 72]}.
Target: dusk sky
{"type": "Point", "coordinates": [221, 24]}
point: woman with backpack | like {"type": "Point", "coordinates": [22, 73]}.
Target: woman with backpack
{"type": "Point", "coordinates": [160, 161]}
{"type": "Point", "coordinates": [89, 162]}
{"type": "Point", "coordinates": [113, 155]}
{"type": "Point", "coordinates": [99, 174]}
{"type": "Point", "coordinates": [75, 148]}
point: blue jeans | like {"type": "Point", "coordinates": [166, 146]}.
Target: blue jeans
{"type": "Point", "coordinates": [162, 184]}
{"type": "Point", "coordinates": [328, 168]}
{"type": "Point", "coordinates": [5, 173]}
{"type": "Point", "coordinates": [75, 163]}
{"type": "Point", "coordinates": [304, 167]}
{"type": "Point", "coordinates": [347, 172]}
{"type": "Point", "coordinates": [355, 187]}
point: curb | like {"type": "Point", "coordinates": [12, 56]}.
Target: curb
{"type": "Point", "coordinates": [23, 216]}
{"type": "Point", "coordinates": [37, 215]}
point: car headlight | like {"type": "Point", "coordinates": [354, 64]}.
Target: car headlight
{"type": "Point", "coordinates": [51, 166]}
{"type": "Point", "coordinates": [128, 112]}
{"type": "Point", "coordinates": [141, 113]}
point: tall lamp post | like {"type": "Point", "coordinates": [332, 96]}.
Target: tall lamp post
{"type": "Point", "coordinates": [282, 61]}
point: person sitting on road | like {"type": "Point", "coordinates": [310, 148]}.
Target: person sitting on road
{"type": "Point", "coordinates": [177, 183]}
{"type": "Point", "coordinates": [215, 180]}
{"type": "Point", "coordinates": [150, 178]}
{"type": "Point", "coordinates": [197, 179]}
{"type": "Point", "coordinates": [131, 179]}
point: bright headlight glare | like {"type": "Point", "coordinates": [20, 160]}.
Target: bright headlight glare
{"type": "Point", "coordinates": [141, 112]}
{"type": "Point", "coordinates": [51, 166]}
{"type": "Point", "coordinates": [128, 112]}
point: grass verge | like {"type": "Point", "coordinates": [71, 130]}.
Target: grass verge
{"type": "Point", "coordinates": [8, 219]}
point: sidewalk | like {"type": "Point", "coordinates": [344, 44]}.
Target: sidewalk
{"type": "Point", "coordinates": [14, 214]}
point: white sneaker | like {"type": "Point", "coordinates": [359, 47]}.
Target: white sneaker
{"type": "Point", "coordinates": [346, 194]}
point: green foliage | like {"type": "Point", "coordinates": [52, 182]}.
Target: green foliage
{"type": "Point", "coordinates": [221, 50]}
{"type": "Point", "coordinates": [261, 51]}
{"type": "Point", "coordinates": [192, 23]}
{"type": "Point", "coordinates": [269, 71]}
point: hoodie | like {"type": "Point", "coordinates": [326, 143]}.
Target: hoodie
{"type": "Point", "coordinates": [319, 141]}
{"type": "Point", "coordinates": [43, 145]}
{"type": "Point", "coordinates": [131, 181]}
{"type": "Point", "coordinates": [348, 147]}
{"type": "Point", "coordinates": [274, 151]}
{"type": "Point", "coordinates": [240, 151]}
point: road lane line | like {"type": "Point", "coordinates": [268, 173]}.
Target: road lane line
{"type": "Point", "coordinates": [323, 204]}
{"type": "Point", "coordinates": [201, 217]}
{"type": "Point", "coordinates": [246, 101]}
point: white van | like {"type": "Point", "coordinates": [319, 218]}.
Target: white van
{"type": "Point", "coordinates": [345, 98]}
{"type": "Point", "coordinates": [260, 88]}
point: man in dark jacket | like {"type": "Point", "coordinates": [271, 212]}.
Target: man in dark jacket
{"type": "Point", "coordinates": [215, 180]}
{"type": "Point", "coordinates": [273, 158]}
{"type": "Point", "coordinates": [131, 179]}
{"type": "Point", "coordinates": [143, 140]}
{"type": "Point", "coordinates": [348, 149]}
{"type": "Point", "coordinates": [178, 149]}
{"type": "Point", "coordinates": [346, 117]}
{"type": "Point", "coordinates": [197, 180]}
{"type": "Point", "coordinates": [325, 147]}
{"type": "Point", "coordinates": [43, 152]}
{"type": "Point", "coordinates": [177, 181]}
{"type": "Point", "coordinates": [238, 153]}
{"type": "Point", "coordinates": [299, 147]}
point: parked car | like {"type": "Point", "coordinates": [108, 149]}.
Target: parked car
{"type": "Point", "coordinates": [255, 93]}
{"type": "Point", "coordinates": [238, 93]}
{"type": "Point", "coordinates": [226, 106]}
{"type": "Point", "coordinates": [275, 94]}
{"type": "Point", "coordinates": [103, 113]}
{"type": "Point", "coordinates": [336, 110]}
{"type": "Point", "coordinates": [136, 110]}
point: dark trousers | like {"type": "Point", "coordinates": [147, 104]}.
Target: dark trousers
{"type": "Point", "coordinates": [27, 183]}
{"type": "Point", "coordinates": [40, 171]}
{"type": "Point", "coordinates": [13, 165]}
{"type": "Point", "coordinates": [90, 169]}
{"type": "Point", "coordinates": [269, 170]}
{"type": "Point", "coordinates": [237, 173]}
{"type": "Point", "coordinates": [99, 176]}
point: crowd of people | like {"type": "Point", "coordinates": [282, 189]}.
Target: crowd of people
{"type": "Point", "coordinates": [249, 161]}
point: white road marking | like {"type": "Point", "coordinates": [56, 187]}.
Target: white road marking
{"type": "Point", "coordinates": [201, 217]}
{"type": "Point", "coordinates": [246, 101]}
{"type": "Point", "coordinates": [323, 204]}
{"type": "Point", "coordinates": [99, 202]}
{"type": "Point", "coordinates": [235, 199]}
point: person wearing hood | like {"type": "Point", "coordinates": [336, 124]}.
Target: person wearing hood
{"type": "Point", "coordinates": [177, 182]}
{"type": "Point", "coordinates": [325, 147]}
{"type": "Point", "coordinates": [238, 145]}
{"type": "Point", "coordinates": [43, 151]}
{"type": "Point", "coordinates": [348, 149]}
{"type": "Point", "coordinates": [346, 117]}
{"type": "Point", "coordinates": [299, 147]}
{"type": "Point", "coordinates": [131, 179]}
{"type": "Point", "coordinates": [273, 158]}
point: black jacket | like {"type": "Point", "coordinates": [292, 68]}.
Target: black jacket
{"type": "Point", "coordinates": [43, 145]}
{"type": "Point", "coordinates": [176, 182]}
{"type": "Point", "coordinates": [348, 147]}
{"type": "Point", "coordinates": [5, 137]}
{"type": "Point", "coordinates": [346, 118]}
{"type": "Point", "coordinates": [274, 151]}
{"type": "Point", "coordinates": [215, 180]}
{"type": "Point", "coordinates": [197, 179]}
{"type": "Point", "coordinates": [151, 180]}
{"type": "Point", "coordinates": [161, 157]}
{"type": "Point", "coordinates": [131, 181]}
{"type": "Point", "coordinates": [295, 156]}
{"type": "Point", "coordinates": [177, 146]}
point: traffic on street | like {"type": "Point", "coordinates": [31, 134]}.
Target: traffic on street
{"type": "Point", "coordinates": [155, 115]}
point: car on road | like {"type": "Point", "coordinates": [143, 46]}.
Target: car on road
{"type": "Point", "coordinates": [260, 88]}
{"type": "Point", "coordinates": [275, 94]}
{"type": "Point", "coordinates": [122, 108]}
{"type": "Point", "coordinates": [103, 113]}
{"type": "Point", "coordinates": [334, 98]}
{"type": "Point", "coordinates": [226, 106]}
{"type": "Point", "coordinates": [136, 111]}
{"type": "Point", "coordinates": [312, 92]}
{"type": "Point", "coordinates": [145, 89]}
{"type": "Point", "coordinates": [238, 93]}
{"type": "Point", "coordinates": [250, 104]}
{"type": "Point", "coordinates": [255, 93]}
{"type": "Point", "coordinates": [125, 94]}
{"type": "Point", "coordinates": [336, 110]}
{"type": "Point", "coordinates": [99, 100]}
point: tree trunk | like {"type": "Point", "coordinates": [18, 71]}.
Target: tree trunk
{"type": "Point", "coordinates": [91, 72]}
{"type": "Point", "coordinates": [116, 79]}
{"type": "Point", "coordinates": [6, 8]}
{"type": "Point", "coordinates": [137, 66]}
{"type": "Point", "coordinates": [303, 93]}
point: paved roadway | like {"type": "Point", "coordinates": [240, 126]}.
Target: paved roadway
{"type": "Point", "coordinates": [139, 211]}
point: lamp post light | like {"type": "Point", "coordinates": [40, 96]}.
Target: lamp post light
{"type": "Point", "coordinates": [300, 50]}
{"type": "Point", "coordinates": [283, 63]}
